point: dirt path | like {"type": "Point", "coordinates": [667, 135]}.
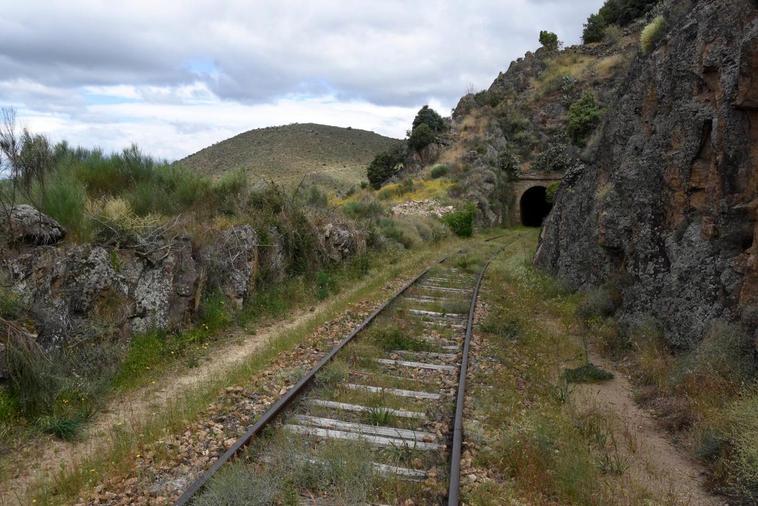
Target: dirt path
{"type": "Point", "coordinates": [653, 461]}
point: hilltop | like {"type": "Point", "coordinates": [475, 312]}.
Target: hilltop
{"type": "Point", "coordinates": [285, 154]}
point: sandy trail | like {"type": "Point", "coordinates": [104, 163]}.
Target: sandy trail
{"type": "Point", "coordinates": [654, 462]}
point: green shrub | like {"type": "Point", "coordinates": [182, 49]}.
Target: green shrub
{"type": "Point", "coordinates": [325, 285]}
{"type": "Point", "coordinates": [367, 209]}
{"type": "Point", "coordinates": [421, 137]}
{"type": "Point", "coordinates": [65, 199]}
{"type": "Point", "coordinates": [584, 115]}
{"type": "Point", "coordinates": [549, 40]}
{"type": "Point", "coordinates": [588, 373]}
{"type": "Point", "coordinates": [600, 302]}
{"type": "Point", "coordinates": [652, 33]}
{"type": "Point", "coordinates": [461, 222]}
{"type": "Point", "coordinates": [59, 389]}
{"type": "Point", "coordinates": [440, 170]}
{"type": "Point", "coordinates": [429, 117]}
{"type": "Point", "coordinates": [11, 306]}
{"type": "Point", "coordinates": [594, 29]}
{"type": "Point", "coordinates": [384, 166]}
{"type": "Point", "coordinates": [614, 12]}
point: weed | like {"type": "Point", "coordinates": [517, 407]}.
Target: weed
{"type": "Point", "coordinates": [392, 337]}
{"type": "Point", "coordinates": [334, 374]}
{"type": "Point", "coordinates": [501, 326]}
{"type": "Point", "coordinates": [652, 33]}
{"type": "Point", "coordinates": [588, 373]}
{"type": "Point", "coordinates": [380, 417]}
{"type": "Point", "coordinates": [325, 285]}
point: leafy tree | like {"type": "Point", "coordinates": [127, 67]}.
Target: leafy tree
{"type": "Point", "coordinates": [384, 166]}
{"type": "Point", "coordinates": [421, 137]}
{"type": "Point", "coordinates": [584, 116]}
{"type": "Point", "coordinates": [549, 40]}
{"type": "Point", "coordinates": [427, 115]}
{"type": "Point", "coordinates": [594, 29]}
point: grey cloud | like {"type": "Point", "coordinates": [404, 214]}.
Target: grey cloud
{"type": "Point", "coordinates": [390, 52]}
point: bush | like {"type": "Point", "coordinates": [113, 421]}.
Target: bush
{"type": "Point", "coordinates": [584, 115]}
{"type": "Point", "coordinates": [594, 29]}
{"type": "Point", "coordinates": [552, 189]}
{"type": "Point", "coordinates": [652, 33]}
{"type": "Point", "coordinates": [618, 12]}
{"type": "Point", "coordinates": [366, 209]}
{"type": "Point", "coordinates": [461, 222]}
{"type": "Point", "coordinates": [421, 137]}
{"type": "Point", "coordinates": [555, 158]}
{"type": "Point", "coordinates": [439, 171]}
{"type": "Point", "coordinates": [429, 117]}
{"type": "Point", "coordinates": [384, 166]}
{"type": "Point", "coordinates": [65, 199]}
{"type": "Point", "coordinates": [549, 40]}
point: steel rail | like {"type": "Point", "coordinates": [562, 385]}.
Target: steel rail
{"type": "Point", "coordinates": [454, 482]}
{"type": "Point", "coordinates": [286, 399]}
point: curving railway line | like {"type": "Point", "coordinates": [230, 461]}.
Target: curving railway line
{"type": "Point", "coordinates": [379, 419]}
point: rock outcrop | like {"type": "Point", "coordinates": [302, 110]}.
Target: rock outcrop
{"type": "Point", "coordinates": [25, 224]}
{"type": "Point", "coordinates": [667, 203]}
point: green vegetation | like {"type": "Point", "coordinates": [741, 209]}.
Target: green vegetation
{"type": "Point", "coordinates": [588, 373]}
{"type": "Point", "coordinates": [439, 170]}
{"type": "Point", "coordinates": [427, 127]}
{"type": "Point", "coordinates": [384, 166]}
{"type": "Point", "coordinates": [614, 12]}
{"type": "Point", "coordinates": [332, 156]}
{"type": "Point", "coordinates": [461, 222]}
{"type": "Point", "coordinates": [539, 443]}
{"type": "Point", "coordinates": [652, 33]}
{"type": "Point", "coordinates": [549, 40]}
{"type": "Point", "coordinates": [584, 115]}
{"type": "Point", "coordinates": [429, 117]}
{"type": "Point", "coordinates": [421, 137]}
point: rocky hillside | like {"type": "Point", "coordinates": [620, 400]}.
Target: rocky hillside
{"type": "Point", "coordinates": [333, 156]}
{"type": "Point", "coordinates": [665, 207]}
{"type": "Point", "coordinates": [520, 124]}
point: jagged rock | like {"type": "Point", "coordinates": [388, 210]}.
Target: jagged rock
{"type": "Point", "coordinates": [25, 224]}
{"type": "Point", "coordinates": [341, 241]}
{"type": "Point", "coordinates": [273, 256]}
{"type": "Point", "coordinates": [84, 290]}
{"type": "Point", "coordinates": [233, 263]}
{"type": "Point", "coordinates": [668, 201]}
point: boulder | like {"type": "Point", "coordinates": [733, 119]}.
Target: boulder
{"type": "Point", "coordinates": [25, 224]}
{"type": "Point", "coordinates": [233, 263]}
{"type": "Point", "coordinates": [341, 241]}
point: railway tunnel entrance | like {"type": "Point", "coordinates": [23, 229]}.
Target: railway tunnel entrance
{"type": "Point", "coordinates": [534, 206]}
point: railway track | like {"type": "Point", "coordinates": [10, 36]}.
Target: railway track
{"type": "Point", "coordinates": [379, 419]}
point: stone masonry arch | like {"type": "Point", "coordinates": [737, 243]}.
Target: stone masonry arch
{"type": "Point", "coordinates": [525, 183]}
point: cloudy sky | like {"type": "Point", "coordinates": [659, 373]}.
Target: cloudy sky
{"type": "Point", "coordinates": [176, 76]}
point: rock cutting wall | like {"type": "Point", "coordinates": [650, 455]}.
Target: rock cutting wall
{"type": "Point", "coordinates": [668, 203]}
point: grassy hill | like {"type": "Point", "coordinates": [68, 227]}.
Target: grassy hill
{"type": "Point", "coordinates": [332, 156]}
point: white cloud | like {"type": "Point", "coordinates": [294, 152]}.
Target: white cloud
{"type": "Point", "coordinates": [173, 75]}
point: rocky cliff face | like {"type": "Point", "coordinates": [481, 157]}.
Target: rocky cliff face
{"type": "Point", "coordinates": [668, 201]}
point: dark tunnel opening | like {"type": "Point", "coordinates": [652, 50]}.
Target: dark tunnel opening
{"type": "Point", "coordinates": [534, 206]}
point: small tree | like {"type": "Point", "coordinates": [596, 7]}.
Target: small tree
{"type": "Point", "coordinates": [594, 29]}
{"type": "Point", "coordinates": [421, 137]}
{"type": "Point", "coordinates": [427, 115]}
{"type": "Point", "coordinates": [549, 40]}
{"type": "Point", "coordinates": [384, 166]}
